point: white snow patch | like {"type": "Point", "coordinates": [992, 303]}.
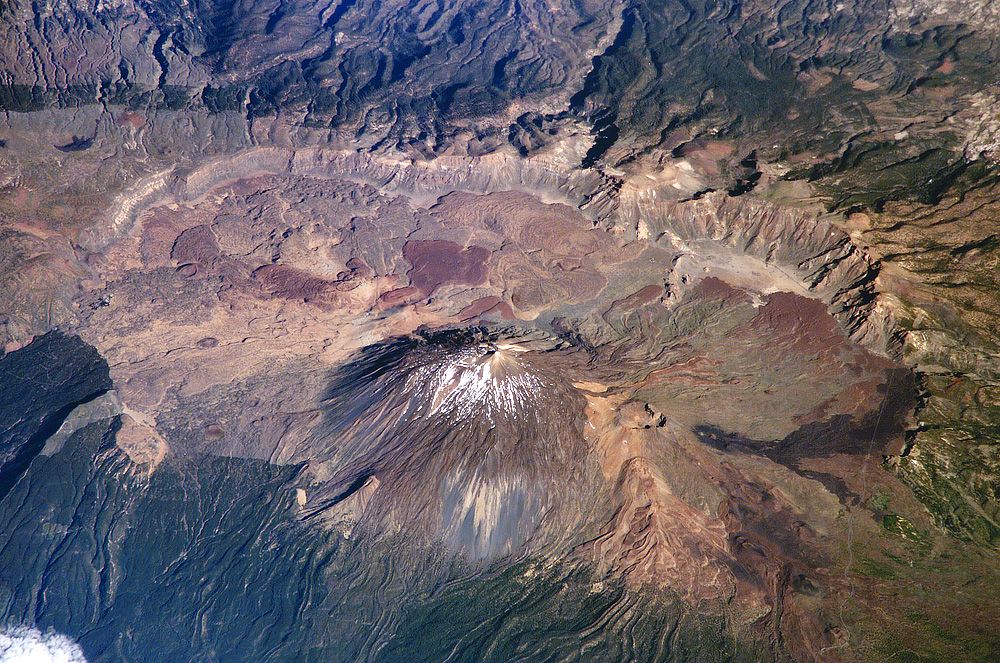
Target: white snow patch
{"type": "Point", "coordinates": [487, 381]}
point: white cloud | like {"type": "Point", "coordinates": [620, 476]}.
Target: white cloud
{"type": "Point", "coordinates": [21, 644]}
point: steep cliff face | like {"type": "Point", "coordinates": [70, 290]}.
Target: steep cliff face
{"type": "Point", "coordinates": [587, 330]}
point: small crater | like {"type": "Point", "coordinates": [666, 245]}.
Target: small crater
{"type": "Point", "coordinates": [187, 271]}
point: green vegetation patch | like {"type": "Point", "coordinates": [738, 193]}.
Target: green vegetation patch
{"type": "Point", "coordinates": [875, 569]}
{"type": "Point", "coordinates": [900, 526]}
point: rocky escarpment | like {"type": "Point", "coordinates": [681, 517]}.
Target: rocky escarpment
{"type": "Point", "coordinates": [471, 77]}
{"type": "Point", "coordinates": [821, 91]}
{"type": "Point", "coordinates": [437, 71]}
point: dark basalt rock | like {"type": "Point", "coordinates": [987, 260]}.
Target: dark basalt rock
{"type": "Point", "coordinates": [43, 383]}
{"type": "Point", "coordinates": [78, 144]}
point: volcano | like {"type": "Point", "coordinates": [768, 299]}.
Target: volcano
{"type": "Point", "coordinates": [480, 426]}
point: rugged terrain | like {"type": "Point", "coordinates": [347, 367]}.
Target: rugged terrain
{"type": "Point", "coordinates": [489, 332]}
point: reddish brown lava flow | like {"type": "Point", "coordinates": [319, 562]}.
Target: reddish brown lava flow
{"type": "Point", "coordinates": [485, 306]}
{"type": "Point", "coordinates": [807, 320]}
{"type": "Point", "coordinates": [290, 283]}
{"type": "Point", "coordinates": [713, 288]}
{"type": "Point", "coordinates": [646, 295]}
{"type": "Point", "coordinates": [436, 262]}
